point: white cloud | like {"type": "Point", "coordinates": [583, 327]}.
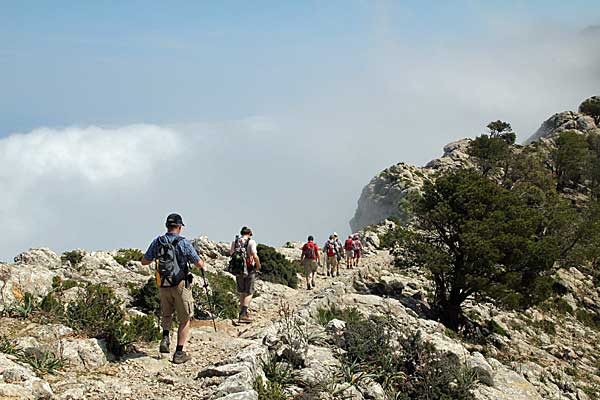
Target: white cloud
{"type": "Point", "coordinates": [47, 174]}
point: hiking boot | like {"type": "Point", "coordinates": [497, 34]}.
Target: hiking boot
{"type": "Point", "coordinates": [180, 357]}
{"type": "Point", "coordinates": [328, 274]}
{"type": "Point", "coordinates": [338, 273]}
{"type": "Point", "coordinates": [245, 319]}
{"type": "Point", "coordinates": [313, 284]}
{"type": "Point", "coordinates": [308, 287]}
{"type": "Point", "coordinates": [164, 345]}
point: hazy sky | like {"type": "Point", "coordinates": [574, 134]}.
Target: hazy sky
{"type": "Point", "coordinates": [269, 114]}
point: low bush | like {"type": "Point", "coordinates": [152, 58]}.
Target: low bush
{"type": "Point", "coordinates": [326, 314]}
{"type": "Point", "coordinates": [125, 255]}
{"type": "Point", "coordinates": [545, 326]}
{"type": "Point", "coordinates": [74, 257]}
{"type": "Point", "coordinates": [269, 390]}
{"type": "Point", "coordinates": [411, 370]}
{"type": "Point", "coordinates": [99, 314]}
{"type": "Point", "coordinates": [223, 296]}
{"type": "Point", "coordinates": [147, 298]}
{"type": "Point", "coordinates": [276, 268]}
{"type": "Point", "coordinates": [494, 327]}
{"type": "Point", "coordinates": [588, 318]}
{"type": "Point", "coordinates": [7, 346]}
{"type": "Point", "coordinates": [276, 371]}
{"type": "Point", "coordinates": [23, 308]}
{"type": "Point", "coordinates": [44, 362]}
{"type": "Point", "coordinates": [144, 328]}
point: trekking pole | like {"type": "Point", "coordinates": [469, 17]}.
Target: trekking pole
{"type": "Point", "coordinates": [210, 306]}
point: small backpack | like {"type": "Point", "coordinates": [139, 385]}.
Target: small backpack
{"type": "Point", "coordinates": [239, 258]}
{"type": "Point", "coordinates": [309, 251]}
{"type": "Point", "coordinates": [349, 245]}
{"type": "Point", "coordinates": [168, 268]}
{"type": "Point", "coordinates": [357, 245]}
{"type": "Point", "coordinates": [330, 247]}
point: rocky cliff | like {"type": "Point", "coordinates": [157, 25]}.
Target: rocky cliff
{"type": "Point", "coordinates": [383, 195]}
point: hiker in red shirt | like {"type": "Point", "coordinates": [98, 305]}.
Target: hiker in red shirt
{"type": "Point", "coordinates": [357, 247]}
{"type": "Point", "coordinates": [349, 248]}
{"type": "Point", "coordinates": [310, 259]}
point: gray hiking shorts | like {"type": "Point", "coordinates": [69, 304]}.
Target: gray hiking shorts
{"type": "Point", "coordinates": [310, 266]}
{"type": "Point", "coordinates": [245, 284]}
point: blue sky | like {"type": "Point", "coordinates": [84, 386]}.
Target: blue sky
{"type": "Point", "coordinates": [317, 96]}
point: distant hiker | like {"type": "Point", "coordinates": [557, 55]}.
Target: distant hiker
{"type": "Point", "coordinates": [349, 248]}
{"type": "Point", "coordinates": [339, 247]}
{"type": "Point", "coordinates": [172, 253]}
{"type": "Point", "coordinates": [331, 251]}
{"type": "Point", "coordinates": [357, 248]}
{"type": "Point", "coordinates": [310, 259]}
{"type": "Point", "coordinates": [244, 264]}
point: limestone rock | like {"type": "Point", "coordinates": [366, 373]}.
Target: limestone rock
{"type": "Point", "coordinates": [18, 279]}
{"type": "Point", "coordinates": [42, 256]}
{"type": "Point", "coordinates": [383, 195]}
{"type": "Point", "coordinates": [247, 395]}
{"type": "Point", "coordinates": [86, 354]}
{"type": "Point", "coordinates": [380, 198]}
{"type": "Point", "coordinates": [482, 368]}
{"type": "Point", "coordinates": [560, 122]}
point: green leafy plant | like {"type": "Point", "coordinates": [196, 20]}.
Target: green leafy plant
{"type": "Point", "coordinates": [276, 268]}
{"type": "Point", "coordinates": [24, 307]}
{"type": "Point", "coordinates": [278, 372]}
{"type": "Point", "coordinates": [147, 298]}
{"type": "Point", "coordinates": [405, 365]}
{"type": "Point", "coordinates": [124, 256]}
{"type": "Point", "coordinates": [223, 296]}
{"type": "Point", "coordinates": [495, 327]}
{"type": "Point", "coordinates": [269, 390]}
{"type": "Point", "coordinates": [479, 239]}
{"type": "Point", "coordinates": [74, 257]}
{"type": "Point", "coordinates": [144, 328]}
{"type": "Point", "coordinates": [326, 314]}
{"type": "Point", "coordinates": [7, 346]}
{"type": "Point", "coordinates": [42, 362]}
{"type": "Point", "coordinates": [591, 107]}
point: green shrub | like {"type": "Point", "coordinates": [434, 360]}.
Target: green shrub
{"type": "Point", "coordinates": [495, 327]}
{"type": "Point", "coordinates": [276, 268]}
{"type": "Point", "coordinates": [147, 298]}
{"type": "Point", "coordinates": [144, 328]}
{"type": "Point", "coordinates": [545, 326]}
{"type": "Point", "coordinates": [277, 372]}
{"type": "Point", "coordinates": [223, 296]}
{"type": "Point", "coordinates": [42, 362]}
{"type": "Point", "coordinates": [73, 256]}
{"type": "Point", "coordinates": [416, 371]}
{"type": "Point", "coordinates": [324, 315]}
{"type": "Point", "coordinates": [125, 255]}
{"type": "Point", "coordinates": [589, 319]}
{"type": "Point", "coordinates": [7, 346]}
{"type": "Point", "coordinates": [23, 308]}
{"type": "Point", "coordinates": [99, 314]}
{"type": "Point", "coordinates": [51, 306]}
{"type": "Point", "coordinates": [269, 391]}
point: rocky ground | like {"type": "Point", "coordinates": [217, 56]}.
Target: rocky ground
{"type": "Point", "coordinates": [539, 354]}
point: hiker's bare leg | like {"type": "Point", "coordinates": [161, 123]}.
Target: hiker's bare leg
{"type": "Point", "coordinates": [166, 322]}
{"type": "Point", "coordinates": [245, 299]}
{"type": "Point", "coordinates": [183, 332]}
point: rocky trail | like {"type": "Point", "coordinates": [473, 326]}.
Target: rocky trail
{"type": "Point", "coordinates": [537, 354]}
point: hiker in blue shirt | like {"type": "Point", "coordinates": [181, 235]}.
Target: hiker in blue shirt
{"type": "Point", "coordinates": [173, 254]}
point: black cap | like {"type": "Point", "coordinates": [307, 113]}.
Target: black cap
{"type": "Point", "coordinates": [174, 220]}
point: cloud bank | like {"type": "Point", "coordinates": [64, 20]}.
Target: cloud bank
{"type": "Point", "coordinates": [296, 171]}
